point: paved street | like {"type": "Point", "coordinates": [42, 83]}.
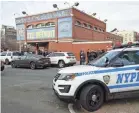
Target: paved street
{"type": "Point", "coordinates": [30, 91]}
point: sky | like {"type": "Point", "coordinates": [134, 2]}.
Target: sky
{"type": "Point", "coordinates": [121, 15]}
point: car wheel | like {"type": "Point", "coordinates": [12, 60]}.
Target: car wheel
{"type": "Point", "coordinates": [13, 65]}
{"type": "Point", "coordinates": [61, 64]}
{"type": "Point", "coordinates": [2, 68]}
{"type": "Point", "coordinates": [44, 67]}
{"type": "Point", "coordinates": [72, 65]}
{"type": "Point", "coordinates": [32, 65]}
{"type": "Point", "coordinates": [7, 62]}
{"type": "Point", "coordinates": [92, 97]}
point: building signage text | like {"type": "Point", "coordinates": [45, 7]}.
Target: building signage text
{"type": "Point", "coordinates": [45, 16]}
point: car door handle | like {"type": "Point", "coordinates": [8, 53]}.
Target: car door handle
{"type": "Point", "coordinates": [137, 68]}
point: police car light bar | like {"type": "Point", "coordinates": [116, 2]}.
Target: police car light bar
{"type": "Point", "coordinates": [129, 45]}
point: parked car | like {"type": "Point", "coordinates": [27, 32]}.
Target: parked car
{"type": "Point", "coordinates": [31, 60]}
{"type": "Point", "coordinates": [62, 59]}
{"type": "Point", "coordinates": [2, 66]}
{"type": "Point", "coordinates": [8, 56]}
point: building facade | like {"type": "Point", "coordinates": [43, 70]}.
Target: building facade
{"type": "Point", "coordinates": [128, 36]}
{"type": "Point", "coordinates": [116, 39]}
{"type": "Point", "coordinates": [59, 30]}
{"type": "Point", "coordinates": [8, 37]}
{"type": "Point", "coordinates": [68, 24]}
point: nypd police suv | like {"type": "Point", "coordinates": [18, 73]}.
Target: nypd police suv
{"type": "Point", "coordinates": [114, 73]}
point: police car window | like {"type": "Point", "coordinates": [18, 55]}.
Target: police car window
{"type": "Point", "coordinates": [128, 58]}
{"type": "Point", "coordinates": [101, 61]}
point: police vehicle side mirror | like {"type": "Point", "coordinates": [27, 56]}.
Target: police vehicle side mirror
{"type": "Point", "coordinates": [117, 64]}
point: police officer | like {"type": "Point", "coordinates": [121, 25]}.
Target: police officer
{"type": "Point", "coordinates": [82, 57]}
{"type": "Point", "coordinates": [88, 55]}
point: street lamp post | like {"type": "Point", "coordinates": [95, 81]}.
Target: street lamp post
{"type": "Point", "coordinates": [24, 13]}
{"type": "Point", "coordinates": [105, 20]}
{"type": "Point", "coordinates": [55, 6]}
{"type": "Point", "coordinates": [76, 4]}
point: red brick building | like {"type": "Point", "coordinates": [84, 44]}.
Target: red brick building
{"type": "Point", "coordinates": [114, 38]}
{"type": "Point", "coordinates": [58, 30]}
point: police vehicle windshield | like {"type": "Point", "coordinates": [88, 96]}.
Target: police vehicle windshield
{"type": "Point", "coordinates": [101, 61]}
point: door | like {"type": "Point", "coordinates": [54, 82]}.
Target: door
{"type": "Point", "coordinates": [16, 55]}
{"type": "Point", "coordinates": [52, 57]}
{"type": "Point", "coordinates": [26, 61]}
{"type": "Point", "coordinates": [125, 69]}
{"type": "Point", "coordinates": [21, 61]}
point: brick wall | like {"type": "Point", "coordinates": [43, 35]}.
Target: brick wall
{"type": "Point", "coordinates": [97, 36]}
{"type": "Point", "coordinates": [114, 38]}
{"type": "Point", "coordinates": [84, 17]}
{"type": "Point", "coordinates": [76, 47]}
{"type": "Point", "coordinates": [82, 33]}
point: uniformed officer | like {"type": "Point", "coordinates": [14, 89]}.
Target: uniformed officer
{"type": "Point", "coordinates": [82, 57]}
{"type": "Point", "coordinates": [88, 55]}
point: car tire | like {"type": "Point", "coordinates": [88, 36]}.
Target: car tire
{"type": "Point", "coordinates": [72, 65]}
{"type": "Point", "coordinates": [32, 65]}
{"type": "Point", "coordinates": [61, 64]}
{"type": "Point", "coordinates": [92, 97]}
{"type": "Point", "coordinates": [2, 68]}
{"type": "Point", "coordinates": [13, 65]}
{"type": "Point", "coordinates": [7, 62]}
{"type": "Point", "coordinates": [44, 67]}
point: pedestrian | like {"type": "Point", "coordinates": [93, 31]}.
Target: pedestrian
{"type": "Point", "coordinates": [82, 57]}
{"type": "Point", "coordinates": [88, 55]}
{"type": "Point", "coordinates": [43, 53]}
{"type": "Point", "coordinates": [46, 53]}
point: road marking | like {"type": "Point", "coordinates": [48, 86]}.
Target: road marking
{"type": "Point", "coordinates": [70, 107]}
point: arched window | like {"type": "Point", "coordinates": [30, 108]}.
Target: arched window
{"type": "Point", "coordinates": [84, 25]}
{"type": "Point", "coordinates": [29, 27]}
{"type": "Point", "coordinates": [100, 29]}
{"type": "Point", "coordinates": [49, 24]}
{"type": "Point", "coordinates": [43, 25]}
{"type": "Point", "coordinates": [95, 28]}
{"type": "Point", "coordinates": [78, 23]}
{"type": "Point", "coordinates": [38, 25]}
{"type": "Point", "coordinates": [52, 24]}
{"type": "Point", "coordinates": [89, 26]}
